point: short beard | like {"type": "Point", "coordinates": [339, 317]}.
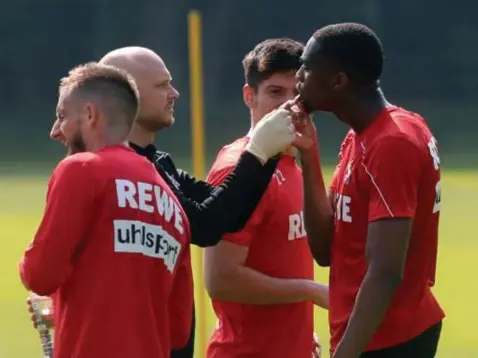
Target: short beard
{"type": "Point", "coordinates": [77, 144]}
{"type": "Point", "coordinates": [154, 125]}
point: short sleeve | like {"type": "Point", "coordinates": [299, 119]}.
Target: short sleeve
{"type": "Point", "coordinates": [393, 169]}
{"type": "Point", "coordinates": [343, 147]}
{"type": "Point", "coordinates": [243, 237]}
{"type": "Point", "coordinates": [335, 177]}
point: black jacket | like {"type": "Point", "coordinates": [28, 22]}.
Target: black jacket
{"type": "Point", "coordinates": [213, 211]}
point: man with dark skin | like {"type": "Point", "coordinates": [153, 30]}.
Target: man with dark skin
{"type": "Point", "coordinates": [377, 228]}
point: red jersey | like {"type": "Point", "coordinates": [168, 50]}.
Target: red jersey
{"type": "Point", "coordinates": [277, 242]}
{"type": "Point", "coordinates": [391, 170]}
{"type": "Point", "coordinates": [181, 302]}
{"type": "Point", "coordinates": [108, 246]}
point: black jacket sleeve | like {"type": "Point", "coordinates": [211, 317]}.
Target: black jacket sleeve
{"type": "Point", "coordinates": [197, 190]}
{"type": "Point", "coordinates": [228, 206]}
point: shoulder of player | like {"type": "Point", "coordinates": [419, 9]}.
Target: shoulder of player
{"type": "Point", "coordinates": [229, 155]}
{"type": "Point", "coordinates": [399, 112]}
{"type": "Point", "coordinates": [79, 164]}
{"type": "Point", "coordinates": [85, 159]}
{"type": "Point", "coordinates": [404, 121]}
{"type": "Point", "coordinates": [396, 144]}
{"type": "Point", "coordinates": [403, 129]}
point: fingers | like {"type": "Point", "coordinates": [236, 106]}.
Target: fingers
{"type": "Point", "coordinates": [317, 346]}
{"type": "Point", "coordinates": [287, 105]}
{"type": "Point", "coordinates": [302, 142]}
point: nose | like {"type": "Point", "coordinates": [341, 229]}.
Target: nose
{"type": "Point", "coordinates": [174, 95]}
{"type": "Point", "coordinates": [55, 132]}
{"type": "Point", "coordinates": [299, 74]}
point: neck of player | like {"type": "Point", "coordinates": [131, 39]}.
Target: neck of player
{"type": "Point", "coordinates": [362, 108]}
{"type": "Point", "coordinates": [141, 136]}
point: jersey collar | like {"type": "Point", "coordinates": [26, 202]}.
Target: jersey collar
{"type": "Point", "coordinates": [149, 151]}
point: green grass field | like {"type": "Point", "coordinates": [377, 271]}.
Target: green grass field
{"type": "Point", "coordinates": [22, 199]}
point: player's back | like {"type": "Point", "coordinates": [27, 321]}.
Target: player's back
{"type": "Point", "coordinates": [277, 246]}
{"type": "Point", "coordinates": [117, 295]}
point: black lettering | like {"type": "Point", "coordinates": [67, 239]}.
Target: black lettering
{"type": "Point", "coordinates": [174, 251]}
{"type": "Point", "coordinates": [122, 240]}
{"type": "Point", "coordinates": [159, 244]}
{"type": "Point", "coordinates": [149, 239]}
{"type": "Point", "coordinates": [143, 234]}
{"type": "Point", "coordinates": [164, 246]}
{"type": "Point", "coordinates": [136, 233]}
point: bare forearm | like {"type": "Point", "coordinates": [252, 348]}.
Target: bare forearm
{"type": "Point", "coordinates": [323, 296]}
{"type": "Point", "coordinates": [248, 286]}
{"type": "Point", "coordinates": [373, 299]}
{"type": "Point", "coordinates": [318, 214]}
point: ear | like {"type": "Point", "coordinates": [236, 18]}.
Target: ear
{"type": "Point", "coordinates": [92, 114]}
{"type": "Point", "coordinates": [248, 95]}
{"type": "Point", "coordinates": [341, 81]}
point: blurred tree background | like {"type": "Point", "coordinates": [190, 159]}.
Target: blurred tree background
{"type": "Point", "coordinates": [431, 63]}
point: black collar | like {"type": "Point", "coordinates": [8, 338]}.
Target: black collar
{"type": "Point", "coordinates": [149, 151]}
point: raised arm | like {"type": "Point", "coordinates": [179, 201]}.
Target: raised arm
{"type": "Point", "coordinates": [318, 205]}
{"type": "Point", "coordinates": [226, 206]}
{"type": "Point", "coordinates": [193, 188]}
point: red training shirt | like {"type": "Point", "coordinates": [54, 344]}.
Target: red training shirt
{"type": "Point", "coordinates": [277, 242]}
{"type": "Point", "coordinates": [108, 246]}
{"type": "Point", "coordinates": [391, 170]}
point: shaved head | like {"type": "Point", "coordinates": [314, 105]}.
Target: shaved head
{"type": "Point", "coordinates": [134, 59]}
{"type": "Point", "coordinates": [157, 95]}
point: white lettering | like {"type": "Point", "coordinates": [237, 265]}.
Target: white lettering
{"type": "Point", "coordinates": [146, 197]}
{"type": "Point", "coordinates": [279, 177]}
{"type": "Point", "coordinates": [178, 220]}
{"type": "Point", "coordinates": [433, 149]}
{"type": "Point", "coordinates": [164, 203]}
{"type": "Point", "coordinates": [296, 226]}
{"type": "Point", "coordinates": [146, 239]}
{"type": "Point", "coordinates": [437, 204]}
{"type": "Point", "coordinates": [125, 192]}
{"type": "Point", "coordinates": [342, 208]}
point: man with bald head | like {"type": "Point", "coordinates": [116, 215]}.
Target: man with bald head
{"type": "Point", "coordinates": [212, 211]}
{"type": "Point", "coordinates": [155, 86]}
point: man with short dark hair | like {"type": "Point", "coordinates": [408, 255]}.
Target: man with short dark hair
{"type": "Point", "coordinates": [385, 196]}
{"type": "Point", "coordinates": [105, 229]}
{"type": "Point", "coordinates": [261, 279]}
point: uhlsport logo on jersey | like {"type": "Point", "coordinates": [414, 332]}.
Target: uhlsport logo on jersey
{"type": "Point", "coordinates": [147, 239]}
